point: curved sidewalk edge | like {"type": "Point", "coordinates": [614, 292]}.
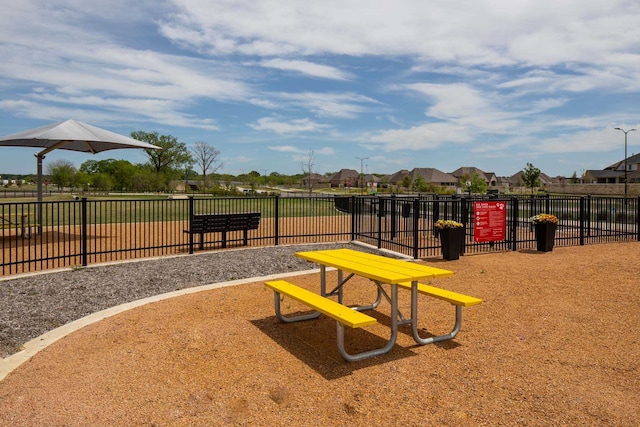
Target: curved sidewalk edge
{"type": "Point", "coordinates": [8, 364]}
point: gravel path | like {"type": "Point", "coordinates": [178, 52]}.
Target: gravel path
{"type": "Point", "coordinates": [32, 305]}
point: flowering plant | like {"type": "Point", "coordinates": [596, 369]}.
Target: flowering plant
{"type": "Point", "coordinates": [544, 218]}
{"type": "Point", "coordinates": [447, 223]}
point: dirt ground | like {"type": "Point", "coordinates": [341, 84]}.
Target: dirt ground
{"type": "Point", "coordinates": [555, 342]}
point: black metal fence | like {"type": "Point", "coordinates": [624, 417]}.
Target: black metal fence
{"type": "Point", "coordinates": [406, 225]}
{"type": "Point", "coordinates": [38, 236]}
{"type": "Point", "coordinates": [54, 234]}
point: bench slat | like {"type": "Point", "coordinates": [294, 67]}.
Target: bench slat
{"type": "Point", "coordinates": [213, 223]}
{"type": "Point", "coordinates": [337, 311]}
{"type": "Point", "coordinates": [386, 270]}
{"type": "Point", "coordinates": [443, 294]}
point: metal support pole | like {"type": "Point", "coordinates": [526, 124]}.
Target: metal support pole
{"type": "Point", "coordinates": [362, 159]}
{"type": "Point", "coordinates": [626, 191]}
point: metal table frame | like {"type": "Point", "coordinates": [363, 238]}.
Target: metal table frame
{"type": "Point", "coordinates": [343, 261]}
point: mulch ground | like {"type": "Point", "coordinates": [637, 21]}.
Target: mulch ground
{"type": "Point", "coordinates": [555, 342]}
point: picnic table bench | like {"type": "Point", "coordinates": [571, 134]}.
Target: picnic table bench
{"type": "Point", "coordinates": [454, 298]}
{"type": "Point", "coordinates": [19, 221]}
{"type": "Point", "coordinates": [223, 223]}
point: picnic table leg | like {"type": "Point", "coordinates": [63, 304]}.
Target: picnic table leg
{"type": "Point", "coordinates": [323, 281]}
{"type": "Point", "coordinates": [291, 319]}
{"type": "Point", "coordinates": [26, 228]}
{"type": "Point", "coordinates": [377, 352]}
{"type": "Point", "coordinates": [375, 303]}
{"type": "Point", "coordinates": [339, 290]}
{"type": "Point", "coordinates": [414, 321]}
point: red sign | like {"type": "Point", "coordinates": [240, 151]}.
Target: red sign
{"type": "Point", "coordinates": [489, 221]}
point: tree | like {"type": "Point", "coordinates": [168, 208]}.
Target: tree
{"type": "Point", "coordinates": [531, 177]}
{"type": "Point", "coordinates": [82, 181]}
{"type": "Point", "coordinates": [478, 184]}
{"type": "Point", "coordinates": [121, 173]}
{"type": "Point", "coordinates": [420, 184]}
{"type": "Point", "coordinates": [307, 168]}
{"type": "Point", "coordinates": [61, 172]}
{"type": "Point", "coordinates": [102, 181]}
{"type": "Point", "coordinates": [170, 158]}
{"type": "Point", "coordinates": [407, 182]}
{"type": "Point", "coordinates": [574, 178]}
{"type": "Point", "coordinates": [253, 178]}
{"type": "Point", "coordinates": [91, 166]}
{"type": "Point", "coordinates": [205, 156]}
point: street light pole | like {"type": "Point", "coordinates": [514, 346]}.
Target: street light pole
{"type": "Point", "coordinates": [625, 160]}
{"type": "Point", "coordinates": [362, 159]}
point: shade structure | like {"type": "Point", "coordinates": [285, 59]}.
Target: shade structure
{"type": "Point", "coordinates": [70, 135]}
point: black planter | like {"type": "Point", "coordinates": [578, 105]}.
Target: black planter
{"type": "Point", "coordinates": [545, 236]}
{"type": "Point", "coordinates": [451, 241]}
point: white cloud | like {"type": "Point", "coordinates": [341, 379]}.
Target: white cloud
{"type": "Point", "coordinates": [600, 140]}
{"type": "Point", "coordinates": [325, 151]}
{"type": "Point", "coordinates": [285, 149]}
{"type": "Point", "coordinates": [77, 67]}
{"type": "Point", "coordinates": [451, 100]}
{"type": "Point", "coordinates": [308, 68]}
{"type": "Point", "coordinates": [459, 113]}
{"type": "Point", "coordinates": [298, 151]}
{"type": "Point", "coordinates": [471, 32]}
{"type": "Point", "coordinates": [424, 137]}
{"type": "Point", "coordinates": [292, 126]}
{"type": "Point", "coordinates": [340, 105]}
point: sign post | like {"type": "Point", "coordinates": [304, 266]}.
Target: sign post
{"type": "Point", "coordinates": [489, 221]}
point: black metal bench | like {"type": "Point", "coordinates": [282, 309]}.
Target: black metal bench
{"type": "Point", "coordinates": [223, 223]}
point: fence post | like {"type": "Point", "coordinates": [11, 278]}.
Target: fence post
{"type": "Point", "coordinates": [547, 204]}
{"type": "Point", "coordinates": [354, 217]}
{"type": "Point", "coordinates": [582, 219]}
{"type": "Point", "coordinates": [515, 217]}
{"type": "Point", "coordinates": [392, 203]}
{"type": "Point", "coordinates": [588, 215]}
{"type": "Point", "coordinates": [276, 214]}
{"type": "Point", "coordinates": [436, 214]}
{"type": "Point", "coordinates": [191, 205]}
{"type": "Point", "coordinates": [85, 239]}
{"type": "Point", "coordinates": [638, 218]}
{"type": "Point", "coordinates": [381, 213]}
{"type": "Point", "coordinates": [455, 208]}
{"type": "Point", "coordinates": [416, 227]}
{"type": "Point", "coordinates": [464, 210]}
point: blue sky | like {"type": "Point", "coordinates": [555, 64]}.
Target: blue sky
{"type": "Point", "coordinates": [487, 83]}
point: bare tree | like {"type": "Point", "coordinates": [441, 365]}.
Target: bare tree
{"type": "Point", "coordinates": [307, 168]}
{"type": "Point", "coordinates": [206, 157]}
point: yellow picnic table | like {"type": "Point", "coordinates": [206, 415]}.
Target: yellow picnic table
{"type": "Point", "coordinates": [381, 271]}
{"type": "Point", "coordinates": [19, 221]}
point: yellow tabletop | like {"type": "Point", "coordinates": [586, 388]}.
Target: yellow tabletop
{"type": "Point", "coordinates": [374, 267]}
